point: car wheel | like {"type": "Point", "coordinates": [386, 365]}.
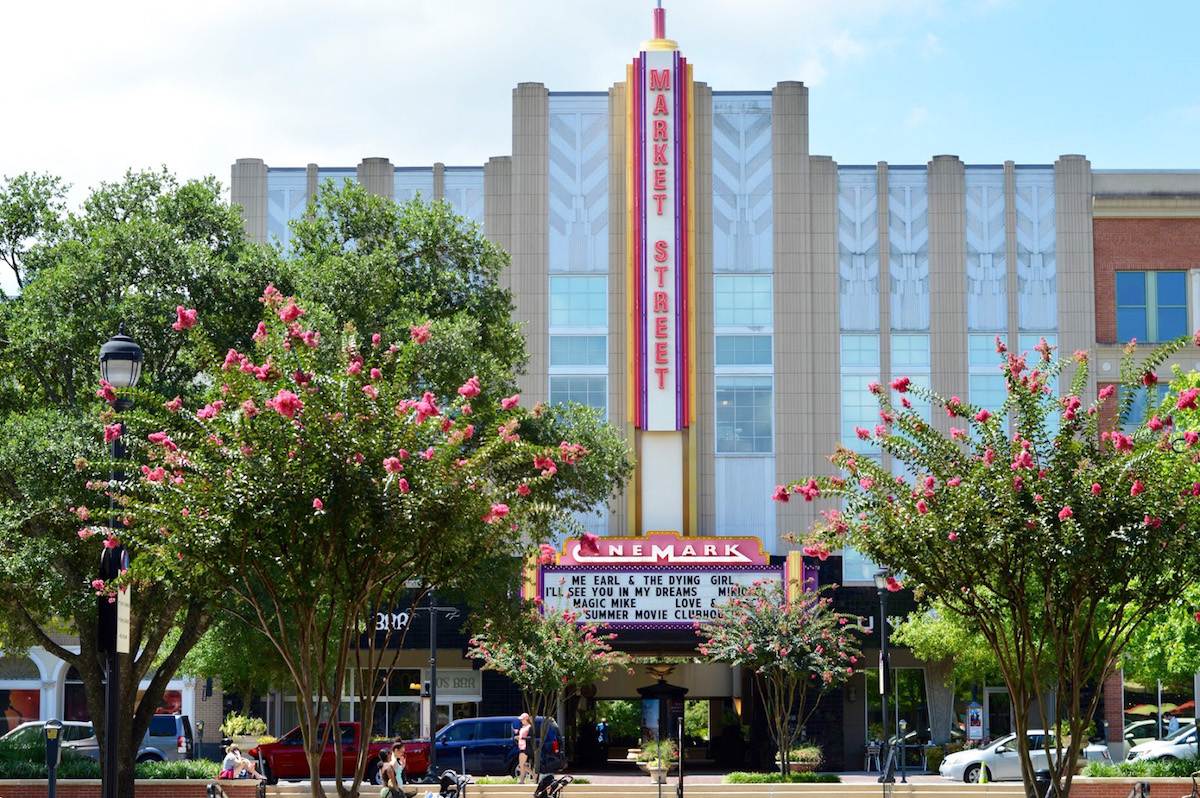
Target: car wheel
{"type": "Point", "coordinates": [267, 775]}
{"type": "Point", "coordinates": [1167, 758]}
{"type": "Point", "coordinates": [149, 758]}
{"type": "Point", "coordinates": [972, 773]}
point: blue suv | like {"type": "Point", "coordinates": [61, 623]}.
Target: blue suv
{"type": "Point", "coordinates": [488, 746]}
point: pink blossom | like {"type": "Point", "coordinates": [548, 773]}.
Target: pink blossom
{"type": "Point", "coordinates": [185, 318]}
{"type": "Point", "coordinates": [546, 465]}
{"type": "Point", "coordinates": [290, 312]}
{"type": "Point", "coordinates": [954, 482]}
{"type": "Point", "coordinates": [427, 407]}
{"type": "Point", "coordinates": [1065, 513]}
{"type": "Point", "coordinates": [106, 392]}
{"type": "Point", "coordinates": [1149, 378]}
{"type": "Point", "coordinates": [82, 513]}
{"type": "Point", "coordinates": [589, 544]}
{"type": "Point", "coordinates": [866, 483]}
{"type": "Point", "coordinates": [112, 432]}
{"type": "Point", "coordinates": [1187, 399]}
{"type": "Point", "coordinates": [98, 585]}
{"type": "Point", "coordinates": [1122, 442]}
{"type": "Point", "coordinates": [111, 542]}
{"type": "Point", "coordinates": [1151, 521]}
{"type": "Point", "coordinates": [523, 489]}
{"type": "Point", "coordinates": [85, 533]}
{"type": "Point", "coordinates": [311, 338]}
{"type": "Point", "coordinates": [249, 409]}
{"type": "Point", "coordinates": [209, 411]}
{"type": "Point", "coordinates": [982, 416]}
{"type": "Point", "coordinates": [781, 494]}
{"type": "Point", "coordinates": [1000, 347]}
{"type": "Point", "coordinates": [1071, 405]}
{"type": "Point", "coordinates": [376, 374]}
{"type": "Point", "coordinates": [922, 507]}
{"type": "Point", "coordinates": [989, 456]}
{"type": "Point", "coordinates": [232, 358]}
{"type": "Point", "coordinates": [419, 333]}
{"type": "Point", "coordinates": [958, 434]}
{"type": "Point", "coordinates": [1107, 392]}
{"type": "Point", "coordinates": [863, 434]}
{"type": "Point", "coordinates": [371, 391]}
{"type": "Point", "coordinates": [286, 403]}
{"type": "Point", "coordinates": [901, 384]}
{"type": "Point", "coordinates": [954, 407]}
{"type": "Point", "coordinates": [318, 505]}
{"type": "Point", "coordinates": [402, 484]}
{"type": "Point", "coordinates": [174, 405]}
{"type": "Point", "coordinates": [509, 402]}
{"type": "Point", "coordinates": [153, 474]}
{"type": "Point", "coordinates": [1137, 488]}
{"type": "Point", "coordinates": [376, 339]}
{"type": "Point", "coordinates": [1018, 484]}
{"type": "Point", "coordinates": [546, 554]}
{"type": "Point", "coordinates": [356, 366]}
{"type": "Point", "coordinates": [427, 454]}
{"type": "Point", "coordinates": [1155, 423]}
{"type": "Point", "coordinates": [893, 585]}
{"type": "Point", "coordinates": [392, 465]}
{"type": "Point", "coordinates": [809, 490]}
{"type": "Point", "coordinates": [260, 332]}
{"type": "Point", "coordinates": [1096, 489]}
{"type": "Point", "coordinates": [953, 536]}
{"type": "Point", "coordinates": [496, 512]}
{"type": "Point", "coordinates": [469, 388]}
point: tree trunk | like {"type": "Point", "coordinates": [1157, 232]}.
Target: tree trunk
{"type": "Point", "coordinates": [314, 768]}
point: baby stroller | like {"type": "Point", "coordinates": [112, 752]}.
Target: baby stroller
{"type": "Point", "coordinates": [453, 785]}
{"type": "Point", "coordinates": [551, 786]}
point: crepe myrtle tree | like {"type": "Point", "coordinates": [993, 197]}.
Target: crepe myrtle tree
{"type": "Point", "coordinates": [1044, 524]}
{"type": "Point", "coordinates": [547, 656]}
{"type": "Point", "coordinates": [314, 488]}
{"type": "Point", "coordinates": [797, 650]}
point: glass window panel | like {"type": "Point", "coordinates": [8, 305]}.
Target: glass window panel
{"type": "Point", "coordinates": [585, 389]}
{"type": "Point", "coordinates": [1131, 288]}
{"type": "Point", "coordinates": [578, 182]}
{"type": "Point", "coordinates": [1171, 288]}
{"type": "Point", "coordinates": [1027, 341]}
{"type": "Point", "coordinates": [981, 351]}
{"type": "Point", "coordinates": [1172, 323]}
{"type": "Point", "coordinates": [743, 350]}
{"type": "Point", "coordinates": [856, 567]}
{"type": "Point", "coordinates": [410, 183]}
{"type": "Point", "coordinates": [578, 350]}
{"type": "Point", "coordinates": [1140, 407]}
{"type": "Point", "coordinates": [860, 351]}
{"type": "Point", "coordinates": [744, 415]}
{"type": "Point", "coordinates": [1132, 323]}
{"type": "Point", "coordinates": [987, 391]}
{"type": "Point", "coordinates": [742, 212]}
{"type": "Point", "coordinates": [743, 300]}
{"type": "Point", "coordinates": [287, 199]}
{"type": "Point", "coordinates": [909, 352]}
{"type": "Point", "coordinates": [860, 408]}
{"type": "Point", "coordinates": [20, 706]}
{"type": "Point", "coordinates": [578, 301]}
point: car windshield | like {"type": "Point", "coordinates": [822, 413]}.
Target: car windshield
{"type": "Point", "coordinates": [1006, 740]}
{"type": "Point", "coordinates": [1179, 735]}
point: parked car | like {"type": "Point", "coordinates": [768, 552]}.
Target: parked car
{"type": "Point", "coordinates": [285, 759]}
{"type": "Point", "coordinates": [1001, 761]}
{"type": "Point", "coordinates": [168, 738]}
{"type": "Point", "coordinates": [1180, 745]}
{"type": "Point", "coordinates": [31, 733]}
{"type": "Point", "coordinates": [488, 746]}
{"type": "Point", "coordinates": [1144, 731]}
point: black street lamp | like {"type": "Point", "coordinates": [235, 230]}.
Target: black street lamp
{"type": "Point", "coordinates": [888, 773]}
{"type": "Point", "coordinates": [121, 367]}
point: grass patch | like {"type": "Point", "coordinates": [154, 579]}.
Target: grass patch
{"type": "Point", "coordinates": [741, 777]}
{"type": "Point", "coordinates": [29, 762]}
{"type": "Point", "coordinates": [1170, 768]}
{"type": "Point", "coordinates": [182, 769]}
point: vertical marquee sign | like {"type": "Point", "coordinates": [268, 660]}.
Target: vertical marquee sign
{"type": "Point", "coordinates": [661, 235]}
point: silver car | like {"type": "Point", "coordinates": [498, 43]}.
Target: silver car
{"type": "Point", "coordinates": [1000, 760]}
{"type": "Point", "coordinates": [31, 733]}
{"type": "Point", "coordinates": [1180, 745]}
{"type": "Point", "coordinates": [168, 738]}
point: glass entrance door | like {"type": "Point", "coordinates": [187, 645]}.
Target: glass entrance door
{"type": "Point", "coordinates": [997, 710]}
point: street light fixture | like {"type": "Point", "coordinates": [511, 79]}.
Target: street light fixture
{"type": "Point", "coordinates": [121, 367]}
{"type": "Point", "coordinates": [881, 586]}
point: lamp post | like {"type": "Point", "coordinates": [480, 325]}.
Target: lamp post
{"type": "Point", "coordinates": [881, 587]}
{"type": "Point", "coordinates": [121, 367]}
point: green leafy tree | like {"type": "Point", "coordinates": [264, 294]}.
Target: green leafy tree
{"type": "Point", "coordinates": [546, 656]}
{"type": "Point", "coordinates": [937, 633]}
{"type": "Point", "coordinates": [235, 654]}
{"type": "Point", "coordinates": [1052, 536]}
{"type": "Point", "coordinates": [316, 487]}
{"type": "Point", "coordinates": [135, 250]}
{"type": "Point", "coordinates": [796, 650]}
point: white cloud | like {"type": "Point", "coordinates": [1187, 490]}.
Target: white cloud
{"type": "Point", "coordinates": [131, 83]}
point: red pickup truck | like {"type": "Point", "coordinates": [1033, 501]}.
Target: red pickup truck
{"type": "Point", "coordinates": [284, 758]}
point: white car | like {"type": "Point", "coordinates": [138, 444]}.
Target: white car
{"type": "Point", "coordinates": [31, 733]}
{"type": "Point", "coordinates": [1180, 745]}
{"type": "Point", "coordinates": [1001, 761]}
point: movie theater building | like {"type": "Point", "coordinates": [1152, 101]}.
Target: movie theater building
{"type": "Point", "coordinates": [684, 261]}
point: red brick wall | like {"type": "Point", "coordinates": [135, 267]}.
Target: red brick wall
{"type": "Point", "coordinates": [1114, 705]}
{"type": "Point", "coordinates": [156, 788]}
{"type": "Point", "coordinates": [1119, 788]}
{"type": "Point", "coordinates": [1137, 245]}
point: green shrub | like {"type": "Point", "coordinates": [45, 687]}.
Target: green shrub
{"type": "Point", "coordinates": [663, 753]}
{"type": "Point", "coordinates": [934, 754]}
{"type": "Point", "coordinates": [1163, 768]}
{"type": "Point", "coordinates": [181, 769]}
{"type": "Point", "coordinates": [805, 755]}
{"type": "Point", "coordinates": [29, 762]}
{"type": "Point", "coordinates": [236, 725]}
{"type": "Point", "coordinates": [740, 777]}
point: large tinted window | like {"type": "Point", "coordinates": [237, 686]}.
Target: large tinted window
{"type": "Point", "coordinates": [162, 726]}
{"type": "Point", "coordinates": [1151, 306]}
{"type": "Point", "coordinates": [495, 730]}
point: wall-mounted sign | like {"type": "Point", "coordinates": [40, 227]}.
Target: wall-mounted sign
{"type": "Point", "coordinates": [660, 231]}
{"type": "Point", "coordinates": [974, 721]}
{"type": "Point", "coordinates": [660, 581]}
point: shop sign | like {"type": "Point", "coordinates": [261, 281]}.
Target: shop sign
{"type": "Point", "coordinates": [974, 721]}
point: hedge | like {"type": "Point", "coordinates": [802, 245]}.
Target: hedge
{"type": "Point", "coordinates": [1160, 768]}
{"type": "Point", "coordinates": [740, 777]}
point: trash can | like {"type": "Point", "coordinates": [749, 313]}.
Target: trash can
{"type": "Point", "coordinates": [1042, 783]}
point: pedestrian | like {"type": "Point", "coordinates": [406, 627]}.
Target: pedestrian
{"type": "Point", "coordinates": [383, 773]}
{"type": "Point", "coordinates": [229, 764]}
{"type": "Point", "coordinates": [522, 735]}
{"type": "Point", "coordinates": [1172, 724]}
{"type": "Point", "coordinates": [602, 740]}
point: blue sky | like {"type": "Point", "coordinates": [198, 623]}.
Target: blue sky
{"type": "Point", "coordinates": [102, 87]}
